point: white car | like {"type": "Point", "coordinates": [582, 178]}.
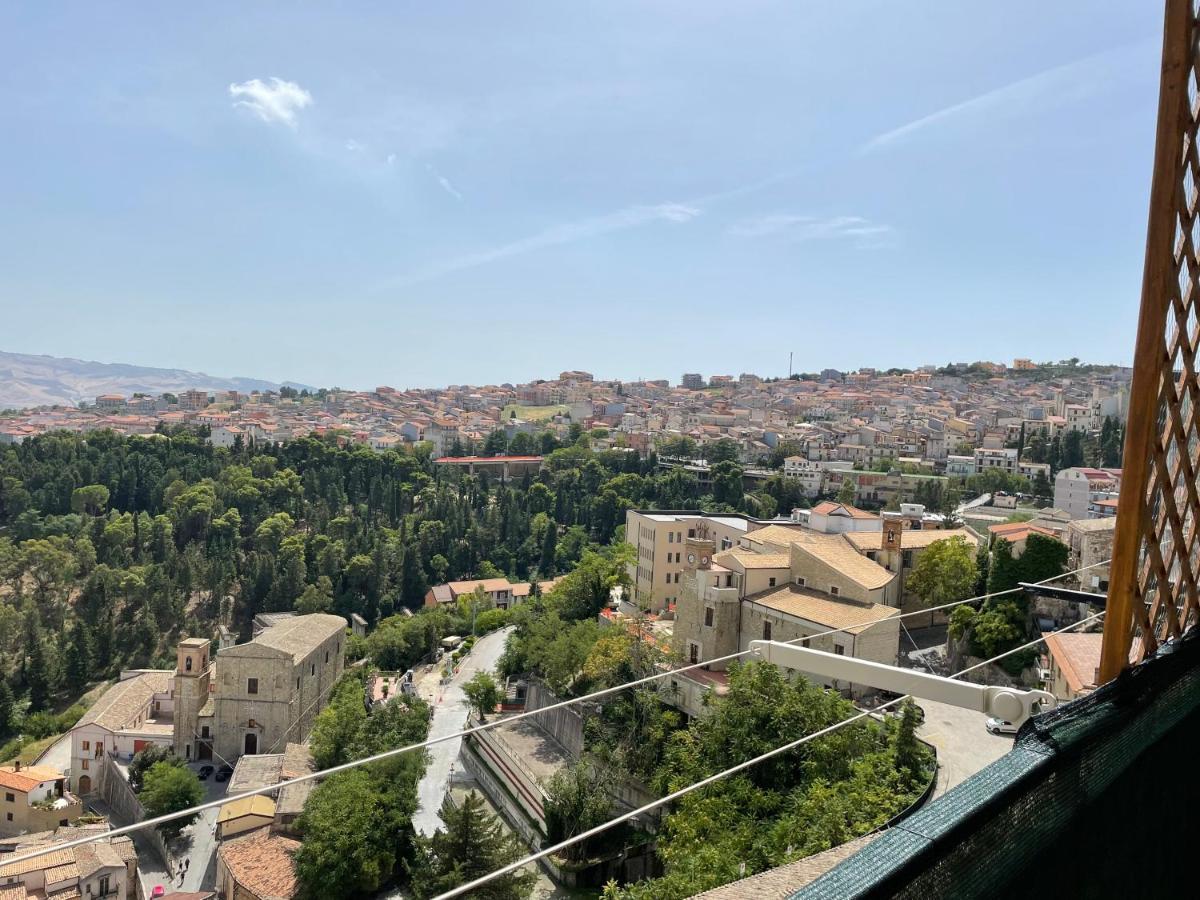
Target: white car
{"type": "Point", "coordinates": [1001, 726]}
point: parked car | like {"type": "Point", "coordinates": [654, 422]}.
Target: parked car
{"type": "Point", "coordinates": [224, 772]}
{"type": "Point", "coordinates": [1001, 726]}
{"type": "Point", "coordinates": [204, 772]}
{"type": "Point", "coordinates": [158, 891]}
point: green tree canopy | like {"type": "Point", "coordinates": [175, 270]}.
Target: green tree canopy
{"type": "Point", "coordinates": [945, 571]}
{"type": "Point", "coordinates": [168, 788]}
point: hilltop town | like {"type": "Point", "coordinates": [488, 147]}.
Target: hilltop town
{"type": "Point", "coordinates": [204, 594]}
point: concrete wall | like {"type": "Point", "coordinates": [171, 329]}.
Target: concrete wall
{"type": "Point", "coordinates": [125, 806]}
{"type": "Point", "coordinates": [564, 725]}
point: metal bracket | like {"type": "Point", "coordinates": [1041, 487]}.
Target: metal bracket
{"type": "Point", "coordinates": [1010, 704]}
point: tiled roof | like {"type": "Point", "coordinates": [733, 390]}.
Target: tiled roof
{"type": "Point", "coordinates": [750, 560]}
{"type": "Point", "coordinates": [45, 861]}
{"type": "Point", "coordinates": [820, 609]}
{"type": "Point", "coordinates": [829, 508]}
{"type": "Point", "coordinates": [122, 702]}
{"type": "Point", "coordinates": [258, 805]}
{"type": "Point", "coordinates": [839, 554]}
{"type": "Point", "coordinates": [299, 635]}
{"type": "Point", "coordinates": [27, 778]}
{"type": "Point", "coordinates": [262, 864]}
{"type": "Point", "coordinates": [1078, 655]}
{"type": "Point", "coordinates": [910, 538]}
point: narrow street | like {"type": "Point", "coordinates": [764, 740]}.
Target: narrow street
{"type": "Point", "coordinates": [450, 715]}
{"type": "Point", "coordinates": [963, 743]}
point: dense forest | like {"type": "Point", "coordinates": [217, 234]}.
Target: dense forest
{"type": "Point", "coordinates": [113, 547]}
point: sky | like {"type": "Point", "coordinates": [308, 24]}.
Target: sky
{"type": "Point", "coordinates": [420, 194]}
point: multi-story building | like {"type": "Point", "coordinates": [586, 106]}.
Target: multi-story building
{"type": "Point", "coordinates": [1077, 490]}
{"type": "Point", "coordinates": [1003, 458]}
{"type": "Point", "coordinates": [193, 399]}
{"type": "Point", "coordinates": [789, 586]}
{"type": "Point", "coordinates": [810, 475]}
{"type": "Point", "coordinates": [103, 869]}
{"type": "Point", "coordinates": [35, 798]}
{"type": "Point", "coordinates": [693, 381]}
{"type": "Point", "coordinates": [659, 536]}
{"type": "Point", "coordinates": [257, 696]}
{"type": "Point", "coordinates": [1090, 542]}
{"type": "Point", "coordinates": [135, 713]}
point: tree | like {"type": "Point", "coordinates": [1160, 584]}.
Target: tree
{"type": "Point", "coordinates": [89, 500]}
{"type": "Point", "coordinates": [483, 693]}
{"type": "Point", "coordinates": [575, 802]}
{"type": "Point", "coordinates": [316, 598]}
{"type": "Point", "coordinates": [1072, 449]}
{"type": "Point", "coordinates": [945, 571]}
{"type": "Point", "coordinates": [549, 549]}
{"type": "Point", "coordinates": [847, 492]}
{"type": "Point", "coordinates": [79, 655]}
{"type": "Point", "coordinates": [472, 844]}
{"type": "Point", "coordinates": [1003, 574]}
{"type": "Point", "coordinates": [911, 759]}
{"type": "Point", "coordinates": [169, 788]}
{"type": "Point", "coordinates": [348, 848]}
{"type": "Point", "coordinates": [721, 450]}
{"type": "Point", "coordinates": [727, 483]}
{"type": "Point", "coordinates": [37, 674]}
{"type": "Point", "coordinates": [144, 759]}
{"type": "Point", "coordinates": [1044, 557]}
{"type": "Point", "coordinates": [6, 708]}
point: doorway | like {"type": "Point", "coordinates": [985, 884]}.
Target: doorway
{"type": "Point", "coordinates": [251, 743]}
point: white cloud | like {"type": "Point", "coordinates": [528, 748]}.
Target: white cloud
{"type": "Point", "coordinates": [444, 182]}
{"type": "Point", "coordinates": [391, 159]}
{"type": "Point", "coordinates": [796, 228]}
{"type": "Point", "coordinates": [566, 233]}
{"type": "Point", "coordinates": [274, 100]}
{"type": "Point", "coordinates": [353, 145]}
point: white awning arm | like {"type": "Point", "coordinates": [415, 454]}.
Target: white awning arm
{"type": "Point", "coordinates": [1008, 703]}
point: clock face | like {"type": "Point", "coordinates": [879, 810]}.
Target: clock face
{"type": "Point", "coordinates": [704, 560]}
{"type": "Point", "coordinates": [691, 557]}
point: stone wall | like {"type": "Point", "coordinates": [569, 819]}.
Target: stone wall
{"type": "Point", "coordinates": [125, 807]}
{"type": "Point", "coordinates": [564, 725]}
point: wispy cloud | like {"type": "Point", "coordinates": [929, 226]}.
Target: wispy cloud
{"type": "Point", "coordinates": [273, 101]}
{"type": "Point", "coordinates": [796, 228]}
{"type": "Point", "coordinates": [444, 182]}
{"type": "Point", "coordinates": [557, 235]}
{"type": "Point", "coordinates": [352, 145]}
{"type": "Point", "coordinates": [1056, 84]}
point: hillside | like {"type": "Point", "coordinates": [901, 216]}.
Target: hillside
{"type": "Point", "coordinates": [27, 380]}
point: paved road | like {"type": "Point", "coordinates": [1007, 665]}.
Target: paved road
{"type": "Point", "coordinates": [198, 843]}
{"type": "Point", "coordinates": [963, 744]}
{"type": "Point", "coordinates": [150, 867]}
{"type": "Point", "coordinates": [450, 715]}
{"type": "Point", "coordinates": [57, 755]}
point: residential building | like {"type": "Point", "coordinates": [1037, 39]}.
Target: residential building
{"type": "Point", "coordinates": [1017, 533]}
{"type": "Point", "coordinates": [500, 592]}
{"type": "Point", "coordinates": [840, 518]}
{"type": "Point", "coordinates": [104, 869]}
{"type": "Point", "coordinates": [257, 696]}
{"type": "Point", "coordinates": [692, 381]}
{"type": "Point", "coordinates": [257, 866]}
{"type": "Point", "coordinates": [35, 798]}
{"type": "Point", "coordinates": [134, 713]}
{"type": "Point", "coordinates": [1023, 364]}
{"type": "Point", "coordinates": [1078, 490]}
{"type": "Point", "coordinates": [789, 586]}
{"type": "Point", "coordinates": [1090, 542]}
{"type": "Point", "coordinates": [193, 399]}
{"type": "Point", "coordinates": [811, 475]}
{"type": "Point", "coordinates": [1074, 659]}
{"type": "Point", "coordinates": [659, 536]}
{"type": "Point", "coordinates": [1003, 458]}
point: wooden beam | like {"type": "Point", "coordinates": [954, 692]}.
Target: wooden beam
{"type": "Point", "coordinates": [1159, 280]}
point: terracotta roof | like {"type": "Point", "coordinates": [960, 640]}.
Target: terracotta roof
{"type": "Point", "coordinates": [97, 855]}
{"type": "Point", "coordinates": [829, 508]}
{"type": "Point", "coordinates": [1018, 531]}
{"type": "Point", "coordinates": [125, 700]}
{"type": "Point", "coordinates": [262, 864]}
{"type": "Point", "coordinates": [62, 873]}
{"type": "Point", "coordinates": [1078, 656]}
{"type": "Point", "coordinates": [829, 612]}
{"type": "Point", "coordinates": [491, 585]}
{"type": "Point", "coordinates": [27, 778]}
{"type": "Point", "coordinates": [258, 805]}
{"type": "Point", "coordinates": [776, 535]}
{"type": "Point", "coordinates": [45, 861]}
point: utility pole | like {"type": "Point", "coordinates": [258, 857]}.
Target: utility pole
{"type": "Point", "coordinates": [790, 354]}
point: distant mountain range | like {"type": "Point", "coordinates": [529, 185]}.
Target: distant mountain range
{"type": "Point", "coordinates": [27, 380]}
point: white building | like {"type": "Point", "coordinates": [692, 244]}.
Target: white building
{"type": "Point", "coordinates": [1077, 491]}
{"type": "Point", "coordinates": [1003, 458]}
{"type": "Point", "coordinates": [810, 475]}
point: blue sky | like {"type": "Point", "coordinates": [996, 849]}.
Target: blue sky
{"type": "Point", "coordinates": [419, 194]}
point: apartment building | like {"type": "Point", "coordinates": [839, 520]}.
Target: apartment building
{"type": "Point", "coordinates": [1077, 491]}
{"type": "Point", "coordinates": [798, 584]}
{"type": "Point", "coordinates": [257, 696]}
{"type": "Point", "coordinates": [1074, 659]}
{"type": "Point", "coordinates": [500, 592]}
{"type": "Point", "coordinates": [1003, 458]}
{"type": "Point", "coordinates": [692, 381]}
{"type": "Point", "coordinates": [659, 537]}
{"type": "Point", "coordinates": [35, 798]}
{"type": "Point", "coordinates": [811, 475]}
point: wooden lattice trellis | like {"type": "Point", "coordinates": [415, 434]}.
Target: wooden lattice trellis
{"type": "Point", "coordinates": [1153, 594]}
